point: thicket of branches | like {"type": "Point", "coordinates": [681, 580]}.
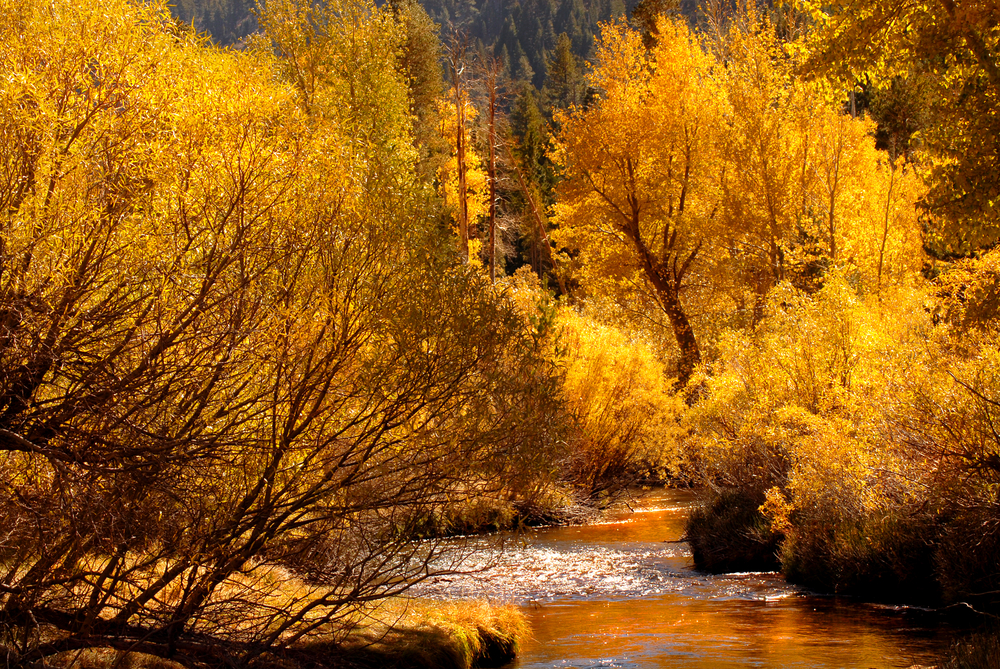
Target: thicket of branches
{"type": "Point", "coordinates": [228, 350]}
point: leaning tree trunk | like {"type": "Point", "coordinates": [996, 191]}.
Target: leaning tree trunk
{"type": "Point", "coordinates": [684, 334]}
{"type": "Point", "coordinates": [666, 283]}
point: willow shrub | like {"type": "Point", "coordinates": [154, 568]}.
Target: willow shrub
{"type": "Point", "coordinates": [869, 427]}
{"type": "Point", "coordinates": [617, 392]}
{"type": "Point", "coordinates": [799, 415]}
{"type": "Point", "coordinates": [228, 349]}
{"type": "Point", "coordinates": [731, 534]}
{"type": "Point", "coordinates": [952, 427]}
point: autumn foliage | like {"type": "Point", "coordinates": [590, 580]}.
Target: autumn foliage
{"type": "Point", "coordinates": [227, 355]}
{"type": "Point", "coordinates": [838, 401]}
{"type": "Point", "coordinates": [248, 355]}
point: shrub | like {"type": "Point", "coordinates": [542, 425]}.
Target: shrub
{"type": "Point", "coordinates": [615, 393]}
{"type": "Point", "coordinates": [624, 411]}
{"type": "Point", "coordinates": [227, 343]}
{"type": "Point", "coordinates": [952, 429]}
{"type": "Point", "coordinates": [970, 291]}
{"type": "Point", "coordinates": [967, 556]}
{"type": "Point", "coordinates": [820, 407]}
{"type": "Point", "coordinates": [889, 559]}
{"type": "Point", "coordinates": [731, 534]}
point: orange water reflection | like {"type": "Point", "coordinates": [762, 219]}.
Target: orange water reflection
{"type": "Point", "coordinates": [624, 593]}
{"type": "Point", "coordinates": [674, 631]}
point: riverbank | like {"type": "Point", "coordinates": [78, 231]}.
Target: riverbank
{"type": "Point", "coordinates": [896, 561]}
{"type": "Point", "coordinates": [905, 556]}
{"type": "Point", "coordinates": [397, 633]}
{"type": "Point", "coordinates": [623, 592]}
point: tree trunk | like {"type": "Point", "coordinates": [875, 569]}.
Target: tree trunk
{"type": "Point", "coordinates": [668, 293]}
{"type": "Point", "coordinates": [463, 203]}
{"type": "Point", "coordinates": [492, 83]}
{"type": "Point", "coordinates": [457, 56]}
{"type": "Point", "coordinates": [684, 334]}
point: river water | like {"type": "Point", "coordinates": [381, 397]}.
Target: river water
{"type": "Point", "coordinates": [624, 593]}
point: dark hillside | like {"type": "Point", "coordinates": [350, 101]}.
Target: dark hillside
{"type": "Point", "coordinates": [227, 21]}
{"type": "Point", "coordinates": [522, 33]}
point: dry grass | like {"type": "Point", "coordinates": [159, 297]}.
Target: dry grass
{"type": "Point", "coordinates": [412, 634]}
{"type": "Point", "coordinates": [395, 633]}
{"type": "Point", "coordinates": [980, 651]}
{"type": "Point", "coordinates": [108, 658]}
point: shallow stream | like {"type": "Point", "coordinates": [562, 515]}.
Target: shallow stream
{"type": "Point", "coordinates": [624, 593]}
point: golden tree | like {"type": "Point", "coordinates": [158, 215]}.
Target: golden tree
{"type": "Point", "coordinates": [641, 195]}
{"type": "Point", "coordinates": [225, 354]}
{"type": "Point", "coordinates": [952, 49]}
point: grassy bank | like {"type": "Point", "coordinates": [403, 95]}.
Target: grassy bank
{"type": "Point", "coordinates": [980, 651]}
{"type": "Point", "coordinates": [398, 634]}
{"type": "Point", "coordinates": [391, 632]}
{"type": "Point", "coordinates": [550, 504]}
{"type": "Point", "coordinates": [423, 633]}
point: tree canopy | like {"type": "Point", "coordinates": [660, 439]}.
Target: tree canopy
{"type": "Point", "coordinates": [951, 50]}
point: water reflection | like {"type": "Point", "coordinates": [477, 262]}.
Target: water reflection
{"type": "Point", "coordinates": [624, 594]}
{"type": "Point", "coordinates": [677, 631]}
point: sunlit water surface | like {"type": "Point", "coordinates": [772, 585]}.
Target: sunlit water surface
{"type": "Point", "coordinates": [624, 593]}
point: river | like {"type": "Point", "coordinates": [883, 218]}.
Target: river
{"type": "Point", "coordinates": [624, 593]}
